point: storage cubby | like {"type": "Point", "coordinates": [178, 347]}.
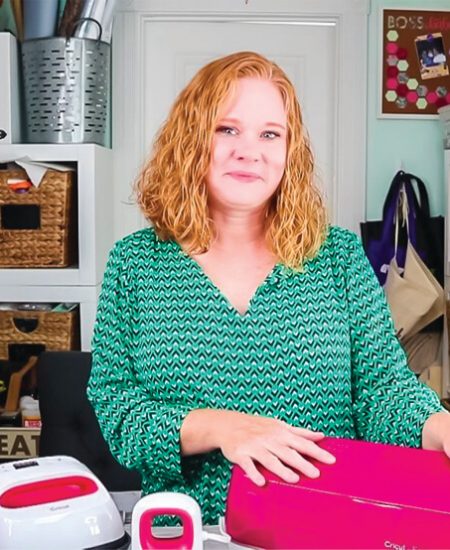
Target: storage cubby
{"type": "Point", "coordinates": [80, 282]}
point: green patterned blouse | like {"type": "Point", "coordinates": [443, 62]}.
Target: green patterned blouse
{"type": "Point", "coordinates": [316, 349]}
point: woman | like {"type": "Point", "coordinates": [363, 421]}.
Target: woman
{"type": "Point", "coordinates": [241, 327]}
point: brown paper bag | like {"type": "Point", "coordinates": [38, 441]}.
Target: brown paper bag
{"type": "Point", "coordinates": [415, 298]}
{"type": "Point", "coordinates": [417, 271]}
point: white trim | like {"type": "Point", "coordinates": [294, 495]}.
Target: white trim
{"type": "Point", "coordinates": [227, 7]}
{"type": "Point", "coordinates": [350, 19]}
{"type": "Point", "coordinates": [351, 150]}
{"type": "Point", "coordinates": [406, 116]}
{"type": "Point", "coordinates": [127, 101]}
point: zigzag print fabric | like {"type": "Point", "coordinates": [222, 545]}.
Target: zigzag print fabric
{"type": "Point", "coordinates": [316, 349]}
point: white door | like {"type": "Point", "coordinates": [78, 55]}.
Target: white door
{"type": "Point", "coordinates": [164, 50]}
{"type": "Point", "coordinates": [306, 53]}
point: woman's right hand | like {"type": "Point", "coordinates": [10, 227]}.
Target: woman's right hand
{"type": "Point", "coordinates": [281, 448]}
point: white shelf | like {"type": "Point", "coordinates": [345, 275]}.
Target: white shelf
{"type": "Point", "coordinates": [95, 213]}
{"type": "Point", "coordinates": [81, 283]}
{"type": "Point", "coordinates": [43, 277]}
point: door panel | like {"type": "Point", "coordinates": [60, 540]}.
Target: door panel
{"type": "Point", "coordinates": [160, 44]}
{"type": "Point", "coordinates": [305, 52]}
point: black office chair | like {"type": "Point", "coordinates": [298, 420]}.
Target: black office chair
{"type": "Point", "coordinates": [69, 424]}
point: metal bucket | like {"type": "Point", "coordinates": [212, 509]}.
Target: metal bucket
{"type": "Point", "coordinates": [67, 90]}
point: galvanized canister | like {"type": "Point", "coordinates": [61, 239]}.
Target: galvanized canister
{"type": "Point", "coordinates": [67, 90]}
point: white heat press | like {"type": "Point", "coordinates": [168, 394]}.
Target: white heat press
{"type": "Point", "coordinates": [56, 502]}
{"type": "Point", "coordinates": [182, 506]}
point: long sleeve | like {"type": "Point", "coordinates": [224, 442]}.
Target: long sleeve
{"type": "Point", "coordinates": [142, 433]}
{"type": "Point", "coordinates": [389, 404]}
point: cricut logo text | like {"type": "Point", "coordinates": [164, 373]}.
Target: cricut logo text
{"type": "Point", "coordinates": [389, 544]}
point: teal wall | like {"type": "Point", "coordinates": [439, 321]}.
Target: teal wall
{"type": "Point", "coordinates": [6, 17]}
{"type": "Point", "coordinates": [416, 143]}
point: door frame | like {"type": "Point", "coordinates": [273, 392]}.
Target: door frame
{"type": "Point", "coordinates": [350, 18]}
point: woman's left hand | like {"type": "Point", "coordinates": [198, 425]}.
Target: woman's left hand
{"type": "Point", "coordinates": [436, 433]}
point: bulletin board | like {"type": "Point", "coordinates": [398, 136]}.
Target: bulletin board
{"type": "Point", "coordinates": [415, 62]}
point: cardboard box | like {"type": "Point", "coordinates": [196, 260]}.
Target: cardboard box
{"type": "Point", "coordinates": [432, 376]}
{"type": "Point", "coordinates": [374, 496]}
{"type": "Point", "coordinates": [16, 443]}
{"type": "Point", "coordinates": [9, 89]}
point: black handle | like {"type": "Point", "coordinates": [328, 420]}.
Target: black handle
{"type": "Point", "coordinates": [394, 190]}
{"type": "Point", "coordinates": [424, 208]}
{"type": "Point", "coordinates": [421, 204]}
{"type": "Point", "coordinates": [25, 325]}
{"type": "Point", "coordinates": [82, 19]}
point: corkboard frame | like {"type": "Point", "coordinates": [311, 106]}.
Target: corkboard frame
{"type": "Point", "coordinates": [432, 22]}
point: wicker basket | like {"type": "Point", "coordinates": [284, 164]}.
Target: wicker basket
{"type": "Point", "coordinates": [55, 331]}
{"type": "Point", "coordinates": [48, 238]}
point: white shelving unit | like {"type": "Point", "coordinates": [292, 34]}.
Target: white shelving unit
{"type": "Point", "coordinates": [446, 358]}
{"type": "Point", "coordinates": [78, 283]}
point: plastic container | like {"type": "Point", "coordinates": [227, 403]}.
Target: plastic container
{"type": "Point", "coordinates": [29, 409]}
{"type": "Point", "coordinates": [67, 90]}
{"type": "Point", "coordinates": [40, 17]}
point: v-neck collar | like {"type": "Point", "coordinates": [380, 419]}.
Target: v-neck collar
{"type": "Point", "coordinates": [271, 277]}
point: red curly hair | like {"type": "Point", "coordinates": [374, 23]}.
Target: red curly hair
{"type": "Point", "coordinates": [171, 188]}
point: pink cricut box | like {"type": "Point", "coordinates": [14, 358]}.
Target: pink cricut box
{"type": "Point", "coordinates": [374, 496]}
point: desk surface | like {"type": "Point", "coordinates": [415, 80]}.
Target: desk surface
{"type": "Point", "coordinates": [207, 545]}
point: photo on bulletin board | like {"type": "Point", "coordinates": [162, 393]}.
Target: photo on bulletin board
{"type": "Point", "coordinates": [415, 59]}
